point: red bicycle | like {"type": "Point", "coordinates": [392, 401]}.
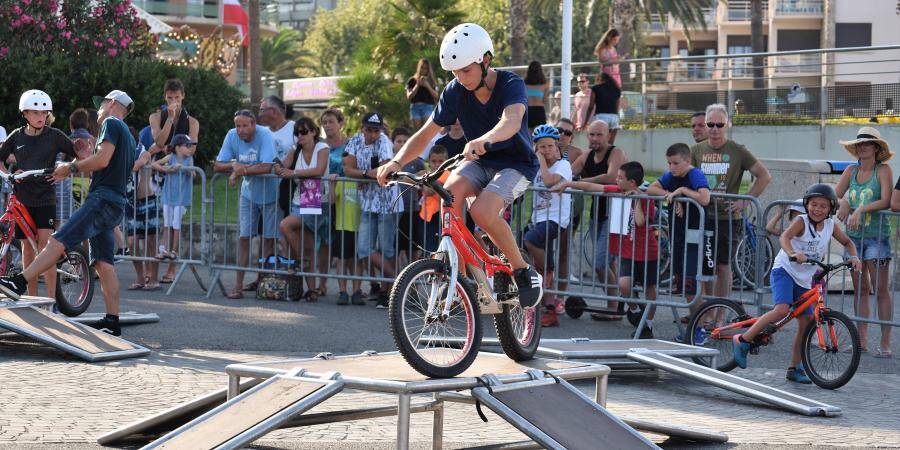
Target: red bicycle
{"type": "Point", "coordinates": [433, 308]}
{"type": "Point", "coordinates": [74, 283]}
{"type": "Point", "coordinates": [830, 348]}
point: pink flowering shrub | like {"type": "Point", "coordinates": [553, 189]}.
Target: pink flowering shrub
{"type": "Point", "coordinates": [111, 28]}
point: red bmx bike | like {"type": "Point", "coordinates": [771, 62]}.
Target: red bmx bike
{"type": "Point", "coordinates": [74, 283]}
{"type": "Point", "coordinates": [830, 347]}
{"type": "Point", "coordinates": [435, 313]}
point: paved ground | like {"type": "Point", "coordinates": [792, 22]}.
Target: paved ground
{"type": "Point", "coordinates": [48, 398]}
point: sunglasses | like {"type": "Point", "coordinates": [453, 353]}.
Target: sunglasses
{"type": "Point", "coordinates": [244, 113]}
{"type": "Point", "coordinates": [565, 132]}
{"type": "Point", "coordinates": [302, 132]}
{"type": "Point", "coordinates": [715, 125]}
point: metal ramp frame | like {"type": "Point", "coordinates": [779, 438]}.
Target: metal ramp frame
{"type": "Point", "coordinates": [125, 318]}
{"type": "Point", "coordinates": [27, 319]}
{"type": "Point", "coordinates": [254, 413]}
{"type": "Point", "coordinates": [789, 401]}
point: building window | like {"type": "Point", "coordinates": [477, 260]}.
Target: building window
{"type": "Point", "coordinates": [799, 40]}
{"type": "Point", "coordinates": [853, 35]}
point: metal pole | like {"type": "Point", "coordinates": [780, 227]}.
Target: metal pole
{"type": "Point", "coordinates": [566, 74]}
{"type": "Point", "coordinates": [823, 100]}
{"type": "Point", "coordinates": [234, 384]}
{"type": "Point", "coordinates": [644, 107]}
{"type": "Point", "coordinates": [403, 421]}
{"type": "Point", "coordinates": [729, 64]}
{"type": "Point", "coordinates": [437, 434]}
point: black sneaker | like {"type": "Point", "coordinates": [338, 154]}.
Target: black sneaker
{"type": "Point", "coordinates": [530, 285]}
{"type": "Point", "coordinates": [14, 286]}
{"type": "Point", "coordinates": [646, 333]}
{"type": "Point", "coordinates": [109, 326]}
{"type": "Point", "coordinates": [383, 301]}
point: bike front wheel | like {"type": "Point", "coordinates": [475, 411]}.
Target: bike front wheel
{"type": "Point", "coordinates": [716, 313]}
{"type": "Point", "coordinates": [435, 345]}
{"type": "Point", "coordinates": [74, 283]}
{"type": "Point", "coordinates": [831, 350]}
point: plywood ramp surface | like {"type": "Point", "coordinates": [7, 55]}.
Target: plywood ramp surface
{"type": "Point", "coordinates": [243, 415]}
{"type": "Point", "coordinates": [47, 324]}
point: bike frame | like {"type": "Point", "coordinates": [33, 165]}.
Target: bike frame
{"type": "Point", "coordinates": [810, 298]}
{"type": "Point", "coordinates": [16, 215]}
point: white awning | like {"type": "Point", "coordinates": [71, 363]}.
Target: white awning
{"type": "Point", "coordinates": [156, 26]}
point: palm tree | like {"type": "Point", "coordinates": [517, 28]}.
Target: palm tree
{"type": "Point", "coordinates": [283, 53]}
{"type": "Point", "coordinates": [255, 55]}
{"type": "Point", "coordinates": [518, 29]}
{"type": "Point", "coordinates": [757, 44]}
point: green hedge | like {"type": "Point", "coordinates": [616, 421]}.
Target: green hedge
{"type": "Point", "coordinates": [71, 81]}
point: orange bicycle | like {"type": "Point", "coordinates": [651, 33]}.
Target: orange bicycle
{"type": "Point", "coordinates": [830, 347]}
{"type": "Point", "coordinates": [433, 307]}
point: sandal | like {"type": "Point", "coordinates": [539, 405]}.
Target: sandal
{"type": "Point", "coordinates": [251, 287]}
{"type": "Point", "coordinates": [235, 295]}
{"type": "Point", "coordinates": [311, 296]}
{"type": "Point", "coordinates": [883, 353]}
{"type": "Point", "coordinates": [136, 286]}
{"type": "Point", "coordinates": [167, 279]}
{"type": "Point", "coordinates": [152, 287]}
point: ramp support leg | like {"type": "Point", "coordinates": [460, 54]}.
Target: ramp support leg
{"type": "Point", "coordinates": [403, 421]}
{"type": "Point", "coordinates": [437, 434]}
{"type": "Point", "coordinates": [234, 386]}
{"type": "Point", "coordinates": [600, 394]}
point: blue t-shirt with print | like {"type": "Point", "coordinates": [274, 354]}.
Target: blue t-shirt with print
{"type": "Point", "coordinates": [478, 118]}
{"type": "Point", "coordinates": [260, 150]}
{"type": "Point", "coordinates": [109, 183]}
{"type": "Point", "coordinates": [336, 160]}
{"type": "Point", "coordinates": [694, 180]}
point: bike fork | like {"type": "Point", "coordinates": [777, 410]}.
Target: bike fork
{"type": "Point", "coordinates": [448, 247]}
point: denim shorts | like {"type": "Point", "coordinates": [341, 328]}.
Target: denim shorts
{"type": "Point", "coordinates": [784, 290]}
{"type": "Point", "coordinates": [317, 224]}
{"type": "Point", "coordinates": [249, 214]}
{"type": "Point", "coordinates": [95, 220]}
{"type": "Point", "coordinates": [509, 184]}
{"type": "Point", "coordinates": [377, 232]}
{"type": "Point", "coordinates": [420, 111]}
{"type": "Point", "coordinates": [611, 119]}
{"type": "Point", "coordinates": [543, 235]}
{"type": "Point", "coordinates": [872, 248]}
{"type": "Point", "coordinates": [602, 258]}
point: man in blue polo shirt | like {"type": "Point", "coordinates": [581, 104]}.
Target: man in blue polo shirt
{"type": "Point", "coordinates": [491, 107]}
{"type": "Point", "coordinates": [248, 150]}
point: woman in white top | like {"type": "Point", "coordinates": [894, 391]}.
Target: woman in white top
{"type": "Point", "coordinates": [806, 238]}
{"type": "Point", "coordinates": [307, 225]}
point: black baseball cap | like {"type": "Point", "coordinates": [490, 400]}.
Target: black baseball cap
{"type": "Point", "coordinates": [373, 119]}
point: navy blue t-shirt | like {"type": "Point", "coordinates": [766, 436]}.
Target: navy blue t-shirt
{"type": "Point", "coordinates": [109, 183]}
{"type": "Point", "coordinates": [476, 119]}
{"type": "Point", "coordinates": [694, 180]}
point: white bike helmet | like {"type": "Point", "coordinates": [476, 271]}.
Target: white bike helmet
{"type": "Point", "coordinates": [465, 44]}
{"type": "Point", "coordinates": [35, 100]}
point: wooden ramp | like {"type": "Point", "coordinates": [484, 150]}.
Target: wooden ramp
{"type": "Point", "coordinates": [74, 338]}
{"type": "Point", "coordinates": [252, 414]}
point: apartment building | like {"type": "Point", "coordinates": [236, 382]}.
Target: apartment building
{"type": "Point", "coordinates": [297, 13]}
{"type": "Point", "coordinates": [787, 25]}
{"type": "Point", "coordinates": [204, 16]}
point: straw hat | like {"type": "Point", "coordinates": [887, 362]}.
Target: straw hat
{"type": "Point", "coordinates": [869, 134]}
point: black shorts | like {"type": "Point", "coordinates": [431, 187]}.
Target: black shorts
{"type": "Point", "coordinates": [343, 244]}
{"type": "Point", "coordinates": [727, 234]}
{"type": "Point", "coordinates": [537, 116]}
{"type": "Point", "coordinates": [44, 217]}
{"type": "Point", "coordinates": [642, 273]}
{"type": "Point", "coordinates": [143, 219]}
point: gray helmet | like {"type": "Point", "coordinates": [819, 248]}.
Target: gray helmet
{"type": "Point", "coordinates": [820, 190]}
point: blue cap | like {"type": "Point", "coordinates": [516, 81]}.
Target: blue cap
{"type": "Point", "coordinates": [181, 139]}
{"type": "Point", "coordinates": [80, 133]}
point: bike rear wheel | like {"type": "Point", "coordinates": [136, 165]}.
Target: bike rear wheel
{"type": "Point", "coordinates": [743, 264]}
{"type": "Point", "coordinates": [833, 366]}
{"type": "Point", "coordinates": [713, 314]}
{"type": "Point", "coordinates": [74, 283]}
{"type": "Point", "coordinates": [427, 341]}
{"type": "Point", "coordinates": [518, 328]}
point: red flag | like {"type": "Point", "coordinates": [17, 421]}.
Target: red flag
{"type": "Point", "coordinates": [234, 14]}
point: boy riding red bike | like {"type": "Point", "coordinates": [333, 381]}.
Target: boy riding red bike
{"type": "Point", "coordinates": [491, 107]}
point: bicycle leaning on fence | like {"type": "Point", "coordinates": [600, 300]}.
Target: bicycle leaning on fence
{"type": "Point", "coordinates": [435, 312]}
{"type": "Point", "coordinates": [830, 348]}
{"type": "Point", "coordinates": [74, 283]}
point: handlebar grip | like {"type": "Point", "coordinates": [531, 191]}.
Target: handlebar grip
{"type": "Point", "coordinates": [487, 146]}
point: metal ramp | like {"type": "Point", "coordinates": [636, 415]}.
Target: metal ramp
{"type": "Point", "coordinates": [777, 397]}
{"type": "Point", "coordinates": [54, 330]}
{"type": "Point", "coordinates": [556, 415]}
{"type": "Point", "coordinates": [252, 414]}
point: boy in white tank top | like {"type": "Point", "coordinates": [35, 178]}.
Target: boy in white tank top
{"type": "Point", "coordinates": [806, 238]}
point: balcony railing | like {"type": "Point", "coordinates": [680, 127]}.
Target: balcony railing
{"type": "Point", "coordinates": [740, 11]}
{"type": "Point", "coordinates": [691, 71]}
{"type": "Point", "coordinates": [798, 64]}
{"type": "Point", "coordinates": [709, 16]}
{"type": "Point", "coordinates": [165, 8]}
{"type": "Point", "coordinates": [656, 24]}
{"type": "Point", "coordinates": [799, 8]}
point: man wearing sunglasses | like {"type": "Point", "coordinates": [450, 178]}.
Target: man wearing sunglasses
{"type": "Point", "coordinates": [248, 150]}
{"type": "Point", "coordinates": [491, 105]}
{"type": "Point", "coordinates": [724, 163]}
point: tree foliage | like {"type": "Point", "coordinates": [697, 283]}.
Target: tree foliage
{"type": "Point", "coordinates": [283, 53]}
{"type": "Point", "coordinates": [369, 89]}
{"type": "Point", "coordinates": [333, 36]}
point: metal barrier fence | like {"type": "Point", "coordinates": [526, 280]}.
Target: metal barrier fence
{"type": "Point", "coordinates": [876, 252]}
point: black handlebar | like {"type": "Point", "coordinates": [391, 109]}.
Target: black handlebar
{"type": "Point", "coordinates": [826, 268]}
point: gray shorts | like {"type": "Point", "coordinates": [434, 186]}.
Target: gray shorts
{"type": "Point", "coordinates": [509, 184]}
